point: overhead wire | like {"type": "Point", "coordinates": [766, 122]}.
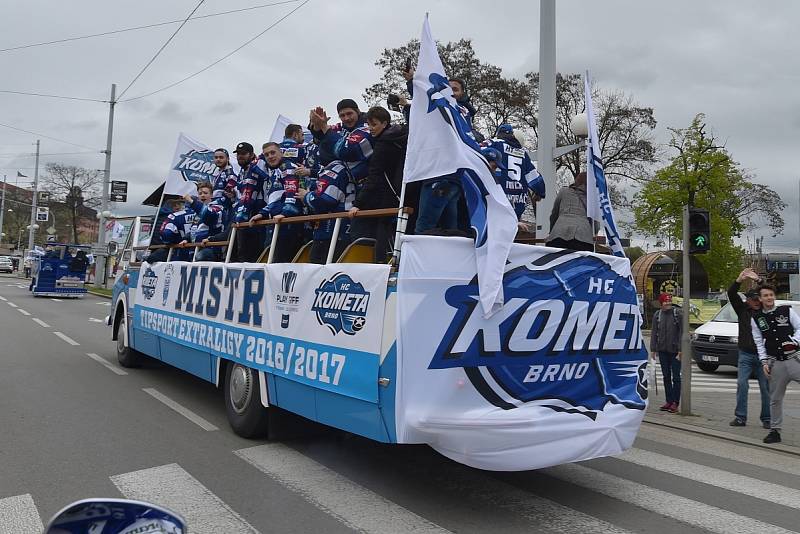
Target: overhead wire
{"type": "Point", "coordinates": [223, 58]}
{"type": "Point", "coordinates": [52, 96]}
{"type": "Point", "coordinates": [47, 137]}
{"type": "Point", "coordinates": [146, 26]}
{"type": "Point", "coordinates": [171, 37]}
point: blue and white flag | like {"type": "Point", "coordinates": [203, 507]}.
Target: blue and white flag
{"type": "Point", "coordinates": [598, 202]}
{"type": "Point", "coordinates": [440, 144]}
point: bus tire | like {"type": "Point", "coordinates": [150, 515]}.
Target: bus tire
{"type": "Point", "coordinates": [126, 356]}
{"type": "Point", "coordinates": [247, 417]}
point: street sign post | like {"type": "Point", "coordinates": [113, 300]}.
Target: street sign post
{"type": "Point", "coordinates": [42, 213]}
{"type": "Point", "coordinates": [119, 191]}
{"type": "Point", "coordinates": [44, 197]}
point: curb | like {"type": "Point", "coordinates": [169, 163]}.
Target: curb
{"type": "Point", "coordinates": [779, 447]}
{"type": "Point", "coordinates": [103, 295]}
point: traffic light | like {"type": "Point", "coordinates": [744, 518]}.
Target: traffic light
{"type": "Point", "coordinates": [699, 231]}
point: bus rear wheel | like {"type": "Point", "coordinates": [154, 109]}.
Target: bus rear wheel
{"type": "Point", "coordinates": [247, 417]}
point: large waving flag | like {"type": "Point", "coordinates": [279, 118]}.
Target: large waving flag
{"type": "Point", "coordinates": [439, 144]}
{"type": "Point", "coordinates": [598, 202]}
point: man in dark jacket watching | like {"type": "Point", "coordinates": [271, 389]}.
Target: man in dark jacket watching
{"type": "Point", "coordinates": [381, 188]}
{"type": "Point", "coordinates": [748, 354]}
{"type": "Point", "coordinates": [665, 339]}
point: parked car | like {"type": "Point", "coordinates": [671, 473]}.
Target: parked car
{"type": "Point", "coordinates": [715, 342]}
{"type": "Point", "coordinates": [6, 265]}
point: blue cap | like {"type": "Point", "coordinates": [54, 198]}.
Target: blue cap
{"type": "Point", "coordinates": [505, 128]}
{"type": "Point", "coordinates": [492, 154]}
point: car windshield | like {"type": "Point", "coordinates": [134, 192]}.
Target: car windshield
{"type": "Point", "coordinates": [726, 315]}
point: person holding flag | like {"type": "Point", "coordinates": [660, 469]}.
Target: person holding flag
{"type": "Point", "coordinates": [440, 144]}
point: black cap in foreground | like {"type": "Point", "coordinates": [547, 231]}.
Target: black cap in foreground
{"type": "Point", "coordinates": [247, 148]}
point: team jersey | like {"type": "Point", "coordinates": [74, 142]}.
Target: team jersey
{"type": "Point", "coordinates": [224, 180]}
{"type": "Point", "coordinates": [312, 159]}
{"type": "Point", "coordinates": [293, 152]}
{"type": "Point", "coordinates": [519, 176]}
{"type": "Point", "coordinates": [351, 146]}
{"type": "Point", "coordinates": [251, 190]}
{"type": "Point", "coordinates": [333, 192]}
{"type": "Point", "coordinates": [281, 196]}
{"type": "Point", "coordinates": [209, 220]}
{"type": "Point", "coordinates": [177, 227]}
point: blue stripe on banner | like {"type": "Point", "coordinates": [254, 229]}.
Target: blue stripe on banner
{"type": "Point", "coordinates": [345, 371]}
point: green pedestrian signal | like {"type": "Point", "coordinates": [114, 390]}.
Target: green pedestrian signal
{"type": "Point", "coordinates": [699, 231]}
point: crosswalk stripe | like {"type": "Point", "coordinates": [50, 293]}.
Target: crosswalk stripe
{"type": "Point", "coordinates": [357, 507]}
{"type": "Point", "coordinates": [174, 488]}
{"type": "Point", "coordinates": [18, 515]}
{"type": "Point", "coordinates": [758, 457]}
{"type": "Point", "coordinates": [686, 510]}
{"type": "Point", "coordinates": [715, 477]}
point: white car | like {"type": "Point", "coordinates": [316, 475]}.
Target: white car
{"type": "Point", "coordinates": [715, 343]}
{"type": "Point", "coordinates": [6, 265]}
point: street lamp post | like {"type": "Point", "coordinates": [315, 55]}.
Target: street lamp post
{"type": "Point", "coordinates": [3, 208]}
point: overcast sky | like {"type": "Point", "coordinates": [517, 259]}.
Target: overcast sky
{"type": "Point", "coordinates": [735, 61]}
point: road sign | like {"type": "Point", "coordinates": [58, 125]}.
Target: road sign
{"type": "Point", "coordinates": [51, 239]}
{"type": "Point", "coordinates": [44, 197]}
{"type": "Point", "coordinates": [119, 191]}
{"type": "Point", "coordinates": [42, 214]}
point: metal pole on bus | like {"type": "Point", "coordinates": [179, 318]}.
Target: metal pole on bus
{"type": "Point", "coordinates": [547, 112]}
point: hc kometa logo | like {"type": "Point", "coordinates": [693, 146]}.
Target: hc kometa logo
{"type": "Point", "coordinates": [197, 166]}
{"type": "Point", "coordinates": [341, 304]}
{"type": "Point", "coordinates": [149, 281]}
{"type": "Point", "coordinates": [568, 338]}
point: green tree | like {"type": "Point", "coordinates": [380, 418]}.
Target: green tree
{"type": "Point", "coordinates": [702, 174]}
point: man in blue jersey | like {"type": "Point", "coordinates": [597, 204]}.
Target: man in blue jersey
{"type": "Point", "coordinates": [225, 182]}
{"type": "Point", "coordinates": [249, 241]}
{"type": "Point", "coordinates": [514, 170]}
{"type": "Point", "coordinates": [175, 230]}
{"type": "Point", "coordinates": [284, 198]}
{"type": "Point", "coordinates": [208, 221]}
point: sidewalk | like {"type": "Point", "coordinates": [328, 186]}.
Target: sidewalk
{"type": "Point", "coordinates": [711, 413]}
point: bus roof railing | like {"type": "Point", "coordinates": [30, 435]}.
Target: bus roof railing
{"type": "Point", "coordinates": [337, 216]}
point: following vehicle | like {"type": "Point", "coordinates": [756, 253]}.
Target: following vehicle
{"type": "Point", "coordinates": [60, 271]}
{"type": "Point", "coordinates": [715, 342]}
{"type": "Point", "coordinates": [6, 265]}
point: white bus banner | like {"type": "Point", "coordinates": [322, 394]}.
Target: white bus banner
{"type": "Point", "coordinates": [320, 325]}
{"type": "Point", "coordinates": [564, 357]}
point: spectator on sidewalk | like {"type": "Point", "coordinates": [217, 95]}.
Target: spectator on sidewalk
{"type": "Point", "coordinates": [665, 340]}
{"type": "Point", "coordinates": [748, 354]}
{"type": "Point", "coordinates": [775, 332]}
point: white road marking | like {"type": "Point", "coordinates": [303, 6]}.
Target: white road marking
{"type": "Point", "coordinates": [720, 447]}
{"type": "Point", "coordinates": [172, 487]}
{"type": "Point", "coordinates": [103, 303]}
{"type": "Point", "coordinates": [715, 477]}
{"type": "Point", "coordinates": [19, 514]}
{"type": "Point", "coordinates": [12, 304]}
{"type": "Point", "coordinates": [56, 300]}
{"type": "Point", "coordinates": [3, 298]}
{"type": "Point", "coordinates": [40, 322]}
{"type": "Point", "coordinates": [67, 339]}
{"type": "Point", "coordinates": [93, 320]}
{"type": "Point", "coordinates": [355, 506]}
{"type": "Point", "coordinates": [102, 361]}
{"type": "Point", "coordinates": [184, 411]}
{"type": "Point", "coordinates": [10, 285]}
{"type": "Point", "coordinates": [23, 312]}
{"type": "Point", "coordinates": [660, 502]}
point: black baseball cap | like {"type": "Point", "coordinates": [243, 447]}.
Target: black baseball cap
{"type": "Point", "coordinates": [752, 294]}
{"type": "Point", "coordinates": [247, 148]}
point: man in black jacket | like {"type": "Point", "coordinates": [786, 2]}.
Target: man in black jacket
{"type": "Point", "coordinates": [749, 363]}
{"type": "Point", "coordinates": [381, 187]}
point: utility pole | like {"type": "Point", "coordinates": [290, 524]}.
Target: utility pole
{"type": "Point", "coordinates": [101, 266]}
{"type": "Point", "coordinates": [3, 207]}
{"type": "Point", "coordinates": [686, 345]}
{"type": "Point", "coordinates": [547, 113]}
{"type": "Point", "coordinates": [32, 230]}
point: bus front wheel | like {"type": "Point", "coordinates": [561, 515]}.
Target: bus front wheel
{"type": "Point", "coordinates": [247, 417]}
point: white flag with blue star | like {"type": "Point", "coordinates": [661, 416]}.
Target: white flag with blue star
{"type": "Point", "coordinates": [598, 202]}
{"type": "Point", "coordinates": [440, 143]}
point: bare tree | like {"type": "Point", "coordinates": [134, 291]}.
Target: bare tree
{"type": "Point", "coordinates": [76, 187]}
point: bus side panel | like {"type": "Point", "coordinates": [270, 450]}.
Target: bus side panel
{"type": "Point", "coordinates": [145, 342]}
{"type": "Point", "coordinates": [387, 394]}
{"type": "Point", "coordinates": [293, 396]}
{"type": "Point", "coordinates": [354, 415]}
{"type": "Point", "coordinates": [200, 364]}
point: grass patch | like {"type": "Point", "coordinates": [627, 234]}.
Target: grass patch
{"type": "Point", "coordinates": [100, 291]}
